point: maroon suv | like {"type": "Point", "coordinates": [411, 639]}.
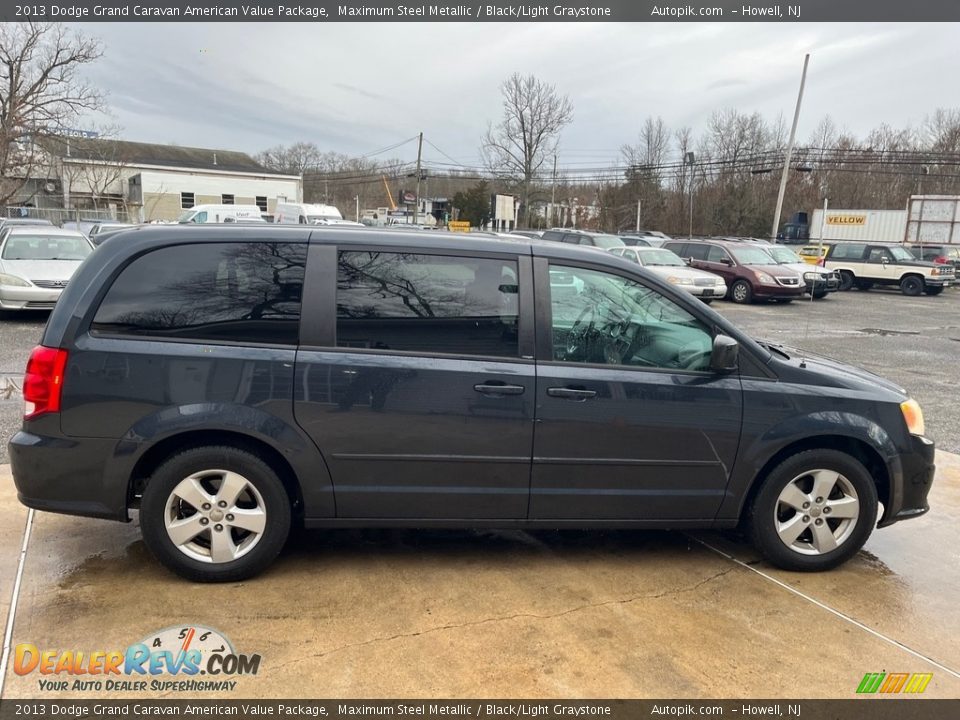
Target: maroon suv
{"type": "Point", "coordinates": [749, 272]}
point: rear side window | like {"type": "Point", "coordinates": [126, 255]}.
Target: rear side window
{"type": "Point", "coordinates": [427, 303]}
{"type": "Point", "coordinates": [697, 252]}
{"type": "Point", "coordinates": [848, 251]}
{"type": "Point", "coordinates": [228, 292]}
{"type": "Point", "coordinates": [553, 235]}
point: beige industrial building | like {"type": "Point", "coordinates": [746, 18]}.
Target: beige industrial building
{"type": "Point", "coordinates": [141, 182]}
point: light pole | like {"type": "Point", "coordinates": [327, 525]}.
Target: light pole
{"type": "Point", "coordinates": [786, 160]}
{"type": "Point", "coordinates": [689, 160]}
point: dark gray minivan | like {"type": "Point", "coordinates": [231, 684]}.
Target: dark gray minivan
{"type": "Point", "coordinates": [227, 382]}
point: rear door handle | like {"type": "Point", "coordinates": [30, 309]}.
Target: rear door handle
{"type": "Point", "coordinates": [492, 388]}
{"type": "Point", "coordinates": [571, 393]}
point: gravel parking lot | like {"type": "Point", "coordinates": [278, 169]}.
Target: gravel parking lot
{"type": "Point", "coordinates": [912, 341]}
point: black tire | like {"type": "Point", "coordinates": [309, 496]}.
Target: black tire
{"type": "Point", "coordinates": [783, 301]}
{"type": "Point", "coordinates": [846, 280]}
{"type": "Point", "coordinates": [864, 285]}
{"type": "Point", "coordinates": [766, 511]}
{"type": "Point", "coordinates": [933, 290]}
{"type": "Point", "coordinates": [263, 489]}
{"type": "Point", "coordinates": [741, 292]}
{"type": "Point", "coordinates": [819, 295]}
{"type": "Point", "coordinates": [911, 285]}
{"type": "Point", "coordinates": [706, 301]}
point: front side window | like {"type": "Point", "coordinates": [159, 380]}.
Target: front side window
{"type": "Point", "coordinates": [717, 254]}
{"type": "Point", "coordinates": [697, 252]}
{"type": "Point", "coordinates": [427, 303]}
{"type": "Point", "coordinates": [601, 318]}
{"type": "Point", "coordinates": [231, 292]}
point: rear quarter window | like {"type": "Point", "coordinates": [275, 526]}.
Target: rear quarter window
{"type": "Point", "coordinates": [848, 251]}
{"type": "Point", "coordinates": [228, 292]}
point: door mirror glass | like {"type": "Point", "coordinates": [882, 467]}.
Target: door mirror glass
{"type": "Point", "coordinates": [726, 351]}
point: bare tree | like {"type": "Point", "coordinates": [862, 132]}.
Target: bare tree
{"type": "Point", "coordinates": [41, 94]}
{"type": "Point", "coordinates": [534, 114]}
{"type": "Point", "coordinates": [294, 160]}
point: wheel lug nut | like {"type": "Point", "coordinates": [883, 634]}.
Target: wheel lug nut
{"type": "Point", "coordinates": [806, 505]}
{"type": "Point", "coordinates": [229, 518]}
{"type": "Point", "coordinates": [223, 503]}
{"type": "Point", "coordinates": [205, 506]}
{"type": "Point", "coordinates": [204, 521]}
{"type": "Point", "coordinates": [218, 527]}
{"type": "Point", "coordinates": [826, 511]}
{"type": "Point", "coordinates": [806, 518]}
{"type": "Point", "coordinates": [819, 521]}
{"type": "Point", "coordinates": [819, 500]}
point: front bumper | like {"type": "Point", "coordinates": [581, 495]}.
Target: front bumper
{"type": "Point", "coordinates": [28, 298]}
{"type": "Point", "coordinates": [706, 291]}
{"type": "Point", "coordinates": [821, 286]}
{"type": "Point", "coordinates": [908, 497]}
{"type": "Point", "coordinates": [778, 291]}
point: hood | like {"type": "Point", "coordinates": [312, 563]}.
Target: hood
{"type": "Point", "coordinates": [806, 366]}
{"type": "Point", "coordinates": [772, 269]}
{"type": "Point", "coordinates": [41, 269]}
{"type": "Point", "coordinates": [683, 272]}
{"type": "Point", "coordinates": [802, 268]}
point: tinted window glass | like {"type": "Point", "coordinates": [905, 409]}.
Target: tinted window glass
{"type": "Point", "coordinates": [848, 251]}
{"type": "Point", "coordinates": [697, 252]}
{"type": "Point", "coordinates": [716, 254]}
{"type": "Point", "coordinates": [235, 292]}
{"type": "Point", "coordinates": [608, 319]}
{"type": "Point", "coordinates": [427, 303]}
{"type": "Point", "coordinates": [553, 235]}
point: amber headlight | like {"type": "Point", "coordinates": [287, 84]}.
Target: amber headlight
{"type": "Point", "coordinates": [913, 416]}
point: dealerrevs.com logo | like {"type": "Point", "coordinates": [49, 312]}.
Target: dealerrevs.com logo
{"type": "Point", "coordinates": [168, 660]}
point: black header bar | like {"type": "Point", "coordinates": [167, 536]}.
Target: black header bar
{"type": "Point", "coordinates": [788, 11]}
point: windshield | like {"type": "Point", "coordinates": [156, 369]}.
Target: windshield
{"type": "Point", "coordinates": [751, 256]}
{"type": "Point", "coordinates": [311, 219]}
{"type": "Point", "coordinates": [186, 216]}
{"type": "Point", "coordinates": [45, 247]}
{"type": "Point", "coordinates": [782, 255]}
{"type": "Point", "coordinates": [900, 253]}
{"type": "Point", "coordinates": [660, 257]}
{"type": "Point", "coordinates": [607, 241]}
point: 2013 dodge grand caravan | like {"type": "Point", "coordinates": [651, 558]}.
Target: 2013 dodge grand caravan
{"type": "Point", "coordinates": [229, 381]}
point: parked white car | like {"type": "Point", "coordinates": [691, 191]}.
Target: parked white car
{"type": "Point", "coordinates": [674, 270]}
{"type": "Point", "coordinates": [36, 263]}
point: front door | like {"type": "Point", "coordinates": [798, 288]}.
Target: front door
{"type": "Point", "coordinates": [422, 403]}
{"type": "Point", "coordinates": [631, 422]}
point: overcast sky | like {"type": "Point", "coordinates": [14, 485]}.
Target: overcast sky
{"type": "Point", "coordinates": [356, 88]}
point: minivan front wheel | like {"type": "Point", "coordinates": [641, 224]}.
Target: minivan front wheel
{"type": "Point", "coordinates": [215, 514]}
{"type": "Point", "coordinates": [741, 292]}
{"type": "Point", "coordinates": [814, 511]}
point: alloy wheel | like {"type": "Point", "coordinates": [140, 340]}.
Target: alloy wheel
{"type": "Point", "coordinates": [816, 512]}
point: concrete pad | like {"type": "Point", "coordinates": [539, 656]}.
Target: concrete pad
{"type": "Point", "coordinates": [485, 614]}
{"type": "Point", "coordinates": [11, 539]}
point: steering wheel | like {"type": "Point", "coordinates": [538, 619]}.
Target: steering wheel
{"type": "Point", "coordinates": [579, 330]}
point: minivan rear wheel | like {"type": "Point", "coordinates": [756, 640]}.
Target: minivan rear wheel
{"type": "Point", "coordinates": [215, 514]}
{"type": "Point", "coordinates": [814, 511]}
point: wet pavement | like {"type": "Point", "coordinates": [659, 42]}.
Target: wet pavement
{"type": "Point", "coordinates": [513, 614]}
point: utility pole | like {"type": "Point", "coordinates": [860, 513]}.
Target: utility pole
{"type": "Point", "coordinates": [553, 194]}
{"type": "Point", "coordinates": [690, 159]}
{"type": "Point", "coordinates": [638, 216]}
{"type": "Point", "coordinates": [786, 160]}
{"type": "Point", "coordinates": [416, 208]}
{"type": "Point", "coordinates": [357, 198]}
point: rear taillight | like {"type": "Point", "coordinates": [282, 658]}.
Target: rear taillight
{"type": "Point", "coordinates": [43, 381]}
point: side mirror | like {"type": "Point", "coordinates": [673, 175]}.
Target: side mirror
{"type": "Point", "coordinates": [883, 259]}
{"type": "Point", "coordinates": [726, 351]}
{"type": "Point", "coordinates": [726, 261]}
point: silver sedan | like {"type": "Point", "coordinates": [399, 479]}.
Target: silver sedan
{"type": "Point", "coordinates": [36, 263]}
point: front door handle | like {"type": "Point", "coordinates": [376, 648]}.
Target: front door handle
{"type": "Point", "coordinates": [493, 388]}
{"type": "Point", "coordinates": [567, 393]}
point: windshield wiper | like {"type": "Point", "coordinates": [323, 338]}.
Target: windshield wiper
{"type": "Point", "coordinates": [778, 349]}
